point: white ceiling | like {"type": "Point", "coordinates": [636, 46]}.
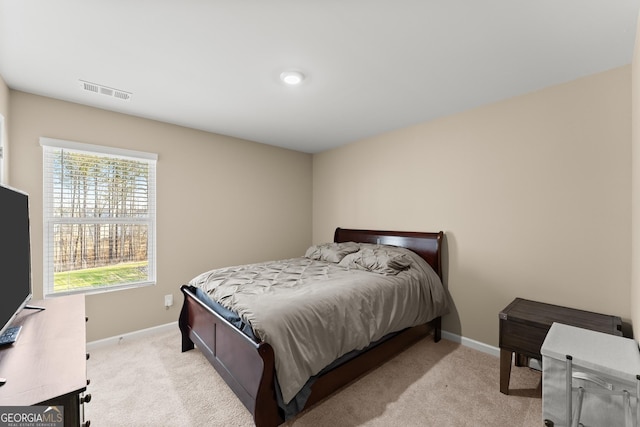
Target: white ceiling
{"type": "Point", "coordinates": [371, 65]}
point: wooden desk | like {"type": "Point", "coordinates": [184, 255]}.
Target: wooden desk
{"type": "Point", "coordinates": [524, 325]}
{"type": "Point", "coordinates": [47, 364]}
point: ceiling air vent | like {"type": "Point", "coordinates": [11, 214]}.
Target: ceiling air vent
{"type": "Point", "coordinates": [105, 90]}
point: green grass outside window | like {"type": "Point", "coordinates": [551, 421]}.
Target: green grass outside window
{"type": "Point", "coordinates": [125, 273]}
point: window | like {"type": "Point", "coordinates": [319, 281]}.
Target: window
{"type": "Point", "coordinates": [99, 217]}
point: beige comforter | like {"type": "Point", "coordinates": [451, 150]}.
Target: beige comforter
{"type": "Point", "coordinates": [312, 311]}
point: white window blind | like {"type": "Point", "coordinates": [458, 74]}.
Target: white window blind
{"type": "Point", "coordinates": [99, 217]}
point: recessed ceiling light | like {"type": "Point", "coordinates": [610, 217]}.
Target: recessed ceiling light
{"type": "Point", "coordinates": [292, 78]}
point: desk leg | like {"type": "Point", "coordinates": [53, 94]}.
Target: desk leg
{"type": "Point", "coordinates": [521, 360]}
{"type": "Point", "coordinates": [505, 370]}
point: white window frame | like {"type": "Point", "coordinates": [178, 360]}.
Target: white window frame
{"type": "Point", "coordinates": [49, 219]}
{"type": "Point", "coordinates": [3, 152]}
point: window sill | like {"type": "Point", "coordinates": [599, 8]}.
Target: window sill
{"type": "Point", "coordinates": [100, 290]}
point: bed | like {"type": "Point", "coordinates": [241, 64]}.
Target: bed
{"type": "Point", "coordinates": [248, 364]}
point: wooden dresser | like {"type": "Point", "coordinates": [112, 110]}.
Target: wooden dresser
{"type": "Point", "coordinates": [47, 364]}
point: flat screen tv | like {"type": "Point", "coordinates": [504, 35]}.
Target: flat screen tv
{"type": "Point", "coordinates": [15, 254]}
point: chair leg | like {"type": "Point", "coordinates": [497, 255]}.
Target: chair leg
{"type": "Point", "coordinates": [568, 390]}
{"type": "Point", "coordinates": [637, 400]}
{"type": "Point", "coordinates": [576, 418]}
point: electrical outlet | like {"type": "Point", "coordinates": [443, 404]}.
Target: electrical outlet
{"type": "Point", "coordinates": [168, 300]}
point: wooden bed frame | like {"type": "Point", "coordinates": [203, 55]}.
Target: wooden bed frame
{"type": "Point", "coordinates": [249, 367]}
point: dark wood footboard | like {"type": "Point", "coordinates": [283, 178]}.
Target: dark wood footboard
{"type": "Point", "coordinates": [247, 367]}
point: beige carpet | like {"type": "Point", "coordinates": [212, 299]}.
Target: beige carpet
{"type": "Point", "coordinates": [149, 382]}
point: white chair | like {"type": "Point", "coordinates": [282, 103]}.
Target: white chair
{"type": "Point", "coordinates": [589, 378]}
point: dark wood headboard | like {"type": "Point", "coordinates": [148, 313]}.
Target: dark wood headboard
{"type": "Point", "coordinates": [427, 245]}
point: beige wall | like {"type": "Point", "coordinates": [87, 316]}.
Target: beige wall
{"type": "Point", "coordinates": [4, 112]}
{"type": "Point", "coordinates": [533, 194]}
{"type": "Point", "coordinates": [635, 187]}
{"type": "Point", "coordinates": [221, 201]}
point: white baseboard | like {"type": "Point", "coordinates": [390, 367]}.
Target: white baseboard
{"type": "Point", "coordinates": [468, 342]}
{"type": "Point", "coordinates": [485, 348]}
{"type": "Point", "coordinates": [132, 335]}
